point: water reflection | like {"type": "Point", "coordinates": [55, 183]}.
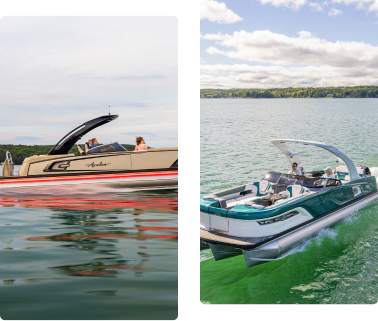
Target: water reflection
{"type": "Point", "coordinates": [118, 236]}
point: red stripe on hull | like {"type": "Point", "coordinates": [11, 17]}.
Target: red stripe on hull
{"type": "Point", "coordinates": [85, 177]}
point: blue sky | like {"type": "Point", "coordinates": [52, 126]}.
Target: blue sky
{"type": "Point", "coordinates": [283, 43]}
{"type": "Point", "coordinates": [58, 72]}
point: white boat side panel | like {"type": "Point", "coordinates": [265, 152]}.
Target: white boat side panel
{"type": "Point", "coordinates": [205, 221]}
{"type": "Point", "coordinates": [245, 228]}
{"type": "Point", "coordinates": [219, 223]}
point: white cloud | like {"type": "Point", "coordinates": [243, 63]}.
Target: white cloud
{"type": "Point", "coordinates": [217, 12]}
{"type": "Point", "coordinates": [292, 4]}
{"type": "Point", "coordinates": [374, 6]}
{"type": "Point", "coordinates": [316, 6]}
{"type": "Point", "coordinates": [369, 5]}
{"type": "Point", "coordinates": [268, 47]}
{"type": "Point", "coordinates": [334, 12]}
{"type": "Point", "coordinates": [245, 76]}
{"type": "Point", "coordinates": [360, 4]}
{"type": "Point", "coordinates": [57, 72]}
{"type": "Point", "coordinates": [213, 36]}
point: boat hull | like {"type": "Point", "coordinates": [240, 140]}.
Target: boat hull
{"type": "Point", "coordinates": [163, 178]}
{"type": "Point", "coordinates": [283, 245]}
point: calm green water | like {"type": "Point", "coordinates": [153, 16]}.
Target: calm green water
{"type": "Point", "coordinates": [89, 256]}
{"type": "Point", "coordinates": [338, 266]}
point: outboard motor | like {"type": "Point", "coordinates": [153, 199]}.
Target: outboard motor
{"type": "Point", "coordinates": [8, 165]}
{"type": "Point", "coordinates": [374, 172]}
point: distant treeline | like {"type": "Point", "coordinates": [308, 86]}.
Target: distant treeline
{"type": "Point", "coordinates": [309, 92]}
{"type": "Point", "coordinates": [20, 152]}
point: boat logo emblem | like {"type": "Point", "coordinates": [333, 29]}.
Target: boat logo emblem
{"type": "Point", "coordinates": [64, 165]}
{"type": "Point", "coordinates": [95, 165]}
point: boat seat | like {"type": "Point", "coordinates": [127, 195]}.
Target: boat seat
{"type": "Point", "coordinates": [261, 187]}
{"type": "Point", "coordinates": [256, 189]}
{"type": "Point", "coordinates": [343, 174]}
{"type": "Point", "coordinates": [241, 200]}
{"type": "Point", "coordinates": [295, 190]}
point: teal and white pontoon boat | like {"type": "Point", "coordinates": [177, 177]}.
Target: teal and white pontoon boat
{"type": "Point", "coordinates": [267, 219]}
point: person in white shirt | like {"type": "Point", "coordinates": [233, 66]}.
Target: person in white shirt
{"type": "Point", "coordinates": [328, 174]}
{"type": "Point", "coordinates": [294, 169]}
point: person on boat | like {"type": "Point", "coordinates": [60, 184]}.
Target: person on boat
{"type": "Point", "coordinates": [141, 145]}
{"type": "Point", "coordinates": [328, 174]}
{"type": "Point", "coordinates": [94, 142]}
{"type": "Point", "coordinates": [294, 169]}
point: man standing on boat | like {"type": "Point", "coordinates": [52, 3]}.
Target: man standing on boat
{"type": "Point", "coordinates": [294, 169]}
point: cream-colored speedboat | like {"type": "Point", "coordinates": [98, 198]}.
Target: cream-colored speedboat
{"type": "Point", "coordinates": [109, 164]}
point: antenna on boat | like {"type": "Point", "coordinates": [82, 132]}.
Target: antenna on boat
{"type": "Point", "coordinates": [109, 109]}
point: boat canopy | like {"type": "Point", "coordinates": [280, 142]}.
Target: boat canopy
{"type": "Point", "coordinates": [294, 157]}
{"type": "Point", "coordinates": [68, 141]}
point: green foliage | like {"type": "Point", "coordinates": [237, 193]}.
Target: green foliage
{"type": "Point", "coordinates": [309, 92]}
{"type": "Point", "coordinates": [20, 152]}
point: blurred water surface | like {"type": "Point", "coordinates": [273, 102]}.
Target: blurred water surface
{"type": "Point", "coordinates": [89, 256]}
{"type": "Point", "coordinates": [340, 265]}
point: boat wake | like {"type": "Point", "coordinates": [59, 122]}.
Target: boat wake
{"type": "Point", "coordinates": [206, 255]}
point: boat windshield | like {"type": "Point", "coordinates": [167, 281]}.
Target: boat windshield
{"type": "Point", "coordinates": [272, 177]}
{"type": "Point", "coordinates": [112, 147]}
{"type": "Point", "coordinates": [288, 179]}
{"type": "Point", "coordinates": [306, 181]}
{"type": "Point", "coordinates": [316, 182]}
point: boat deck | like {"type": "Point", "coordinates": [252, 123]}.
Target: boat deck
{"type": "Point", "coordinates": [244, 243]}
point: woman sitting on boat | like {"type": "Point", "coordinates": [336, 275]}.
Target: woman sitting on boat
{"type": "Point", "coordinates": [141, 145]}
{"type": "Point", "coordinates": [328, 174]}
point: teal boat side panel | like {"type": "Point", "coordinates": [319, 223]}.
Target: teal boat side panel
{"type": "Point", "coordinates": [311, 203]}
{"type": "Point", "coordinates": [204, 209]}
{"type": "Point", "coordinates": [205, 204]}
{"type": "Point", "coordinates": [336, 197]}
{"type": "Point", "coordinates": [242, 212]}
{"type": "Point", "coordinates": [218, 211]}
{"type": "Point", "coordinates": [368, 184]}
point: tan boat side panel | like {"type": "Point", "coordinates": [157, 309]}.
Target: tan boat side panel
{"type": "Point", "coordinates": [146, 160]}
{"type": "Point", "coordinates": [165, 148]}
{"type": "Point", "coordinates": [99, 162]}
{"type": "Point", "coordinates": [23, 171]}
{"type": "Point", "coordinates": [78, 164]}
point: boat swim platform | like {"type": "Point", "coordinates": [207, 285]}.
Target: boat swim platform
{"type": "Point", "coordinates": [222, 238]}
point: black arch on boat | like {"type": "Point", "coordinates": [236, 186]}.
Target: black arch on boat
{"type": "Point", "coordinates": [66, 143]}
